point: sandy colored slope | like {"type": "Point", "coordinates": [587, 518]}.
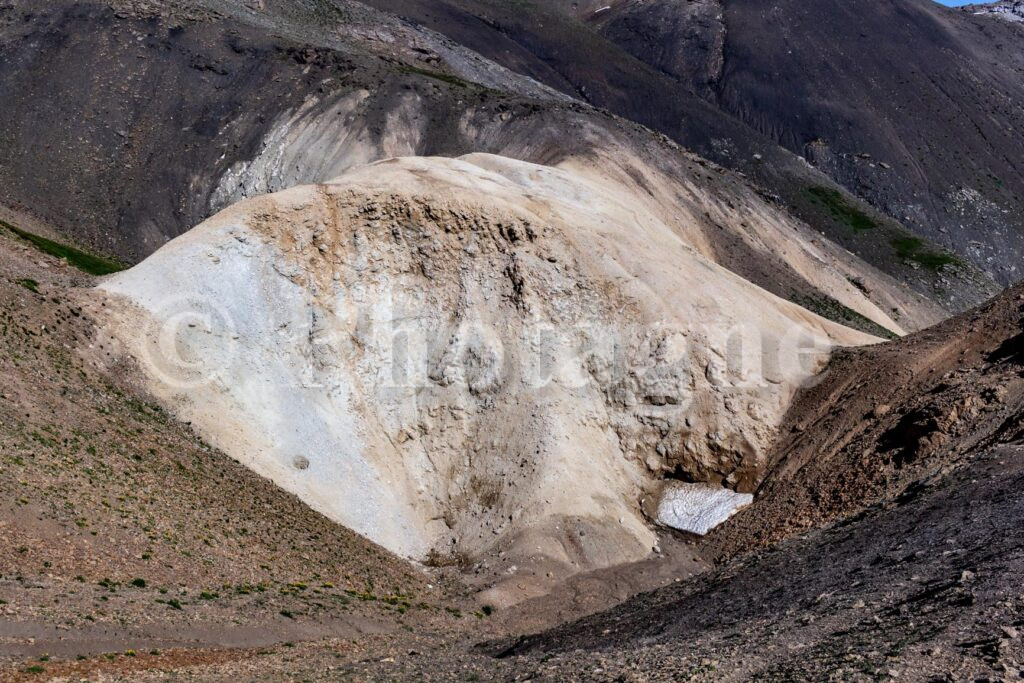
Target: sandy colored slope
{"type": "Point", "coordinates": [716, 212]}
{"type": "Point", "coordinates": [455, 357]}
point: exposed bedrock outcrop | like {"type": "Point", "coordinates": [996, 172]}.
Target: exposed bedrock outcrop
{"type": "Point", "coordinates": [715, 211]}
{"type": "Point", "coordinates": [1009, 10]}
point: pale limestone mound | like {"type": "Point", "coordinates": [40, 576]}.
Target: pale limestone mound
{"type": "Point", "coordinates": [456, 356]}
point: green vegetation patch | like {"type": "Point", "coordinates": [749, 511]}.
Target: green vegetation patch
{"type": "Point", "coordinates": [913, 249]}
{"type": "Point", "coordinates": [829, 308]}
{"type": "Point", "coordinates": [29, 284]}
{"type": "Point", "coordinates": [84, 261]}
{"type": "Point", "coordinates": [443, 77]}
{"type": "Point", "coordinates": [841, 210]}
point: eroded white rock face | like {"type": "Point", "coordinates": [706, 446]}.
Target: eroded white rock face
{"type": "Point", "coordinates": [698, 508]}
{"type": "Point", "coordinates": [712, 212]}
{"type": "Point", "coordinates": [447, 355]}
{"type": "Point", "coordinates": [1010, 10]}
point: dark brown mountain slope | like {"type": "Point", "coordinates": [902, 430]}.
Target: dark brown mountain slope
{"type": "Point", "coordinates": [915, 107]}
{"type": "Point", "coordinates": [96, 140]}
{"type": "Point", "coordinates": [884, 417]}
{"type": "Point", "coordinates": [120, 117]}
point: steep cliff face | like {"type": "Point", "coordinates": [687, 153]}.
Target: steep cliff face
{"type": "Point", "coordinates": [465, 357]}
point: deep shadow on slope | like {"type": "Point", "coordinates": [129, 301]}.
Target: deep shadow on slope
{"type": "Point", "coordinates": [113, 125]}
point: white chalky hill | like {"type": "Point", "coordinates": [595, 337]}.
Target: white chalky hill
{"type": "Point", "coordinates": [452, 356]}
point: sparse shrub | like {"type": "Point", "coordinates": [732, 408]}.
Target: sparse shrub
{"type": "Point", "coordinates": [29, 284]}
{"type": "Point", "coordinates": [841, 210]}
{"type": "Point", "coordinates": [913, 249]}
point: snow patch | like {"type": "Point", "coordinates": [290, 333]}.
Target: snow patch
{"type": "Point", "coordinates": [699, 508]}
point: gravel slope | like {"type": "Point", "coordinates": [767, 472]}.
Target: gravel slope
{"type": "Point", "coordinates": [121, 530]}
